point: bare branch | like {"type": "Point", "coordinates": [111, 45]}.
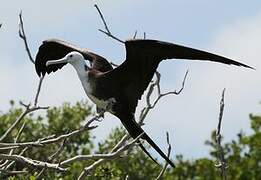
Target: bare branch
{"type": "Point", "coordinates": [38, 90]}
{"type": "Point", "coordinates": [166, 164]}
{"type": "Point", "coordinates": [10, 164]}
{"type": "Point", "coordinates": [151, 88]}
{"type": "Point", "coordinates": [107, 31]}
{"type": "Point", "coordinates": [51, 158]}
{"type": "Point", "coordinates": [51, 140]}
{"type": "Point", "coordinates": [19, 119]}
{"type": "Point", "coordinates": [22, 35]}
{"type": "Point", "coordinates": [31, 162]}
{"type": "Point", "coordinates": [221, 160]}
{"type": "Point", "coordinates": [10, 173]}
{"type": "Point", "coordinates": [104, 157]}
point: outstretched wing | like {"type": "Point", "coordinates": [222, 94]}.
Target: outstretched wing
{"type": "Point", "coordinates": [142, 59]}
{"type": "Point", "coordinates": [52, 49]}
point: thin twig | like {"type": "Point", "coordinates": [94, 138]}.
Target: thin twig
{"type": "Point", "coordinates": [168, 155]}
{"type": "Point", "coordinates": [107, 31]}
{"type": "Point", "coordinates": [22, 35]}
{"type": "Point", "coordinates": [38, 90]}
{"type": "Point", "coordinates": [221, 160]}
{"type": "Point", "coordinates": [135, 34]}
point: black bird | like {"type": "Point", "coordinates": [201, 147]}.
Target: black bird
{"type": "Point", "coordinates": [118, 90]}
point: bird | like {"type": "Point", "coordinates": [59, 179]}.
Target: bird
{"type": "Point", "coordinates": [118, 90]}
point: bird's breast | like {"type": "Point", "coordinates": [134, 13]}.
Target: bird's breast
{"type": "Point", "coordinates": [89, 87]}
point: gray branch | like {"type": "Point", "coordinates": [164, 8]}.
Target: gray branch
{"type": "Point", "coordinates": [22, 35]}
{"type": "Point", "coordinates": [221, 160]}
{"type": "Point", "coordinates": [166, 164]}
{"type": "Point", "coordinates": [107, 31]}
{"type": "Point", "coordinates": [31, 162]}
{"type": "Point", "coordinates": [104, 157]}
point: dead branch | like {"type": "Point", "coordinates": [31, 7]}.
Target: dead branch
{"type": "Point", "coordinates": [19, 119]}
{"type": "Point", "coordinates": [221, 160]}
{"type": "Point", "coordinates": [31, 162]}
{"type": "Point", "coordinates": [9, 164]}
{"type": "Point", "coordinates": [28, 109]}
{"type": "Point", "coordinates": [107, 31]}
{"type": "Point", "coordinates": [38, 90]}
{"type": "Point", "coordinates": [11, 173]}
{"type": "Point", "coordinates": [151, 89]}
{"type": "Point", "coordinates": [104, 157]}
{"type": "Point", "coordinates": [22, 35]}
{"type": "Point", "coordinates": [166, 164]}
{"type": "Point", "coordinates": [51, 159]}
{"type": "Point", "coordinates": [51, 139]}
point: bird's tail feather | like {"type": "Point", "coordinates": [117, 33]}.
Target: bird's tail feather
{"type": "Point", "coordinates": [135, 130]}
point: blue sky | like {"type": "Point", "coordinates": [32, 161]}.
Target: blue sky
{"type": "Point", "coordinates": [230, 28]}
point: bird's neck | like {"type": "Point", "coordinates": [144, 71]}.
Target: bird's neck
{"type": "Point", "coordinates": [80, 67]}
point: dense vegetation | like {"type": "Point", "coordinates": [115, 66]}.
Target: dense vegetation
{"type": "Point", "coordinates": [243, 155]}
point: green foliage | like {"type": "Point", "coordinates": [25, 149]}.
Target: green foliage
{"type": "Point", "coordinates": [242, 155]}
{"type": "Point", "coordinates": [57, 120]}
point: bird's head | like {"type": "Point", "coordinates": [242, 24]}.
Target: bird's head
{"type": "Point", "coordinates": [74, 58]}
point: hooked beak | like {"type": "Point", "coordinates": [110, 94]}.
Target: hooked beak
{"type": "Point", "coordinates": [58, 61]}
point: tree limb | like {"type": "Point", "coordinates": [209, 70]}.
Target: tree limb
{"type": "Point", "coordinates": [31, 162]}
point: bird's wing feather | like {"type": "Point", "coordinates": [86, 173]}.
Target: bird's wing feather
{"type": "Point", "coordinates": [143, 58]}
{"type": "Point", "coordinates": [53, 49]}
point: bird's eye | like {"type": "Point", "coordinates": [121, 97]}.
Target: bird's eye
{"type": "Point", "coordinates": [70, 56]}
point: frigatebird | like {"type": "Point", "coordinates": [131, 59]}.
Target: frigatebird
{"type": "Point", "coordinates": [117, 90]}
